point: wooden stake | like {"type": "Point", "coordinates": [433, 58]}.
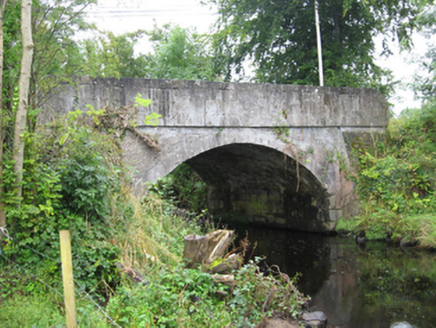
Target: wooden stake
{"type": "Point", "coordinates": [67, 275]}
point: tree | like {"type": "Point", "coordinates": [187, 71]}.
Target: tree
{"type": "Point", "coordinates": [53, 25]}
{"type": "Point", "coordinates": [279, 37]}
{"type": "Point", "coordinates": [2, 203]}
{"type": "Point", "coordinates": [57, 53]}
{"type": "Point", "coordinates": [11, 59]}
{"type": "Point", "coordinates": [425, 86]}
{"type": "Point", "coordinates": [180, 54]}
{"type": "Point", "coordinates": [21, 117]}
{"type": "Point", "coordinates": [108, 55]}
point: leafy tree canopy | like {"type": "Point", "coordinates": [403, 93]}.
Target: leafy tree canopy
{"type": "Point", "coordinates": [180, 53]}
{"type": "Point", "coordinates": [110, 55]}
{"type": "Point", "coordinates": [177, 53]}
{"type": "Point", "coordinates": [425, 86]}
{"type": "Point", "coordinates": [279, 36]}
{"type": "Point", "coordinates": [56, 52]}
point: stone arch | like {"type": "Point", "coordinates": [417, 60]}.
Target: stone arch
{"type": "Point", "coordinates": [262, 184]}
{"type": "Point", "coordinates": [323, 192]}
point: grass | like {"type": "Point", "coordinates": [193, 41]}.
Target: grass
{"type": "Point", "coordinates": [31, 310]}
{"type": "Point", "coordinates": [424, 227]}
{"type": "Point", "coordinates": [151, 241]}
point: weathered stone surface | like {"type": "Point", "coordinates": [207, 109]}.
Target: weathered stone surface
{"type": "Point", "coordinates": [279, 323]}
{"type": "Point", "coordinates": [314, 319]}
{"type": "Point", "coordinates": [274, 153]}
{"type": "Point", "coordinates": [314, 316]}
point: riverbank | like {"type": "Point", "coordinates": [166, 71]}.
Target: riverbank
{"type": "Point", "coordinates": [396, 182]}
{"type": "Point", "coordinates": [151, 242]}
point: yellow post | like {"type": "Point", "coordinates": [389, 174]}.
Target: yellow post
{"type": "Point", "coordinates": [67, 275]}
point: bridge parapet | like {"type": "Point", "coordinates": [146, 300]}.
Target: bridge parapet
{"type": "Point", "coordinates": [215, 104]}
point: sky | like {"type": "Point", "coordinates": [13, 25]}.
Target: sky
{"type": "Point", "coordinates": [121, 16]}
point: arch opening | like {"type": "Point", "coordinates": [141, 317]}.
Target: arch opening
{"type": "Point", "coordinates": [262, 185]}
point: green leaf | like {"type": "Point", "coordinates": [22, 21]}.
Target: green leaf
{"type": "Point", "coordinates": [141, 101]}
{"type": "Point", "coordinates": [152, 119]}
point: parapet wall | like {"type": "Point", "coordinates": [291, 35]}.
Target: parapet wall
{"type": "Point", "coordinates": [214, 104]}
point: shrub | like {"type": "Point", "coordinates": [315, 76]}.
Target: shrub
{"type": "Point", "coordinates": [396, 179]}
{"type": "Point", "coordinates": [69, 183]}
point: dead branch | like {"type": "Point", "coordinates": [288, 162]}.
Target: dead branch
{"type": "Point", "coordinates": [134, 275]}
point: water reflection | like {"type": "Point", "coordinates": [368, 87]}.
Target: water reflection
{"type": "Point", "coordinates": [368, 286]}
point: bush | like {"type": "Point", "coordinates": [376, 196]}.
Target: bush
{"type": "Point", "coordinates": [69, 184]}
{"type": "Point", "coordinates": [396, 179]}
{"type": "Point", "coordinates": [184, 187]}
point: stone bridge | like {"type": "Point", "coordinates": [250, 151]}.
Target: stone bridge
{"type": "Point", "coordinates": [276, 154]}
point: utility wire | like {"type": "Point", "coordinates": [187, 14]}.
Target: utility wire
{"type": "Point", "coordinates": [96, 304]}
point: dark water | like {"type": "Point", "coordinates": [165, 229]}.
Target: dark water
{"type": "Point", "coordinates": [370, 286]}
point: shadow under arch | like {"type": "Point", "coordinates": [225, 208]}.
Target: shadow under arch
{"type": "Point", "coordinates": [264, 185]}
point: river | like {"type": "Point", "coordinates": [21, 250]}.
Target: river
{"type": "Point", "coordinates": [356, 286]}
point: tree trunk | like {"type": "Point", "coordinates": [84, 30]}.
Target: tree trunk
{"type": "Point", "coordinates": [20, 120]}
{"type": "Point", "coordinates": [2, 191]}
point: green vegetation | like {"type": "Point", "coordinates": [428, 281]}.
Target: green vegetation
{"type": "Point", "coordinates": [176, 297]}
{"type": "Point", "coordinates": [74, 180]}
{"type": "Point", "coordinates": [280, 38]}
{"type": "Point", "coordinates": [70, 182]}
{"type": "Point", "coordinates": [56, 52]}
{"type": "Point", "coordinates": [396, 180]}
{"type": "Point", "coordinates": [185, 188]}
{"type": "Point", "coordinates": [178, 53]}
{"type": "Point", "coordinates": [425, 84]}
{"type": "Point", "coordinates": [152, 241]}
{"type": "Point", "coordinates": [109, 55]}
{"type": "Point", "coordinates": [181, 54]}
{"type": "Point", "coordinates": [396, 175]}
{"type": "Point", "coordinates": [73, 176]}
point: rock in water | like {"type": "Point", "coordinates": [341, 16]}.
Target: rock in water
{"type": "Point", "coordinates": [315, 319]}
